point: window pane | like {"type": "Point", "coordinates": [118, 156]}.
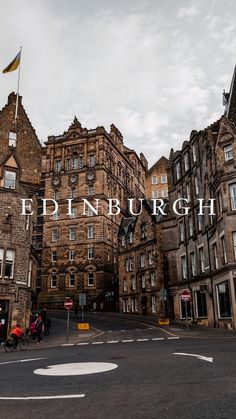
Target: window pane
{"type": "Point", "coordinates": [10, 179]}
{"type": "Point", "coordinates": [201, 304]}
{"type": "Point", "coordinates": [223, 300]}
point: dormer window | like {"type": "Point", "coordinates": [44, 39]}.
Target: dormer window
{"type": "Point", "coordinates": [10, 179]}
{"type": "Point", "coordinates": [228, 152]}
{"type": "Point", "coordinates": [12, 139]}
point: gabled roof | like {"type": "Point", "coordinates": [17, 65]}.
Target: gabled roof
{"type": "Point", "coordinates": [163, 159]}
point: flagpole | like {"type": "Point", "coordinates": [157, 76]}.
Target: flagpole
{"type": "Point", "coordinates": [18, 86]}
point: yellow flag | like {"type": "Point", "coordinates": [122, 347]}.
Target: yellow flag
{"type": "Point", "coordinates": [14, 64]}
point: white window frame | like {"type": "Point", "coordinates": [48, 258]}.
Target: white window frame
{"type": "Point", "coordinates": [12, 137]}
{"type": "Point", "coordinates": [202, 259]}
{"type": "Point", "coordinates": [72, 233]}
{"type": "Point", "coordinates": [12, 181]}
{"type": "Point", "coordinates": [1, 261]}
{"type": "Point", "coordinates": [71, 285]}
{"type": "Point", "coordinates": [154, 194]}
{"type": "Point", "coordinates": [228, 152]}
{"type": "Point", "coordinates": [143, 281]}
{"type": "Point", "coordinates": [154, 180]}
{"type": "Point", "coordinates": [196, 184]}
{"type": "Point", "coordinates": [53, 278]}
{"type": "Point", "coordinates": [55, 235]}
{"type": "Point", "coordinates": [234, 243]}
{"type": "Point", "coordinates": [71, 255]}
{"type": "Point", "coordinates": [54, 256]}
{"type": "Point", "coordinates": [193, 263]}
{"type": "Point", "coordinates": [232, 193]}
{"type": "Point", "coordinates": [90, 253]}
{"type": "Point", "coordinates": [184, 266]}
{"type": "Point", "coordinates": [163, 178]}
{"type": "Point", "coordinates": [90, 232]}
{"type": "Point", "coordinates": [89, 275]}
{"type": "Point", "coordinates": [154, 304]}
{"type": "Point", "coordinates": [142, 260]}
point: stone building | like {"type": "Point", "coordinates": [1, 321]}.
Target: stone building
{"type": "Point", "coordinates": [141, 264]}
{"type": "Point", "coordinates": [20, 171]}
{"type": "Point", "coordinates": [205, 251]}
{"type": "Point", "coordinates": [79, 252]}
{"type": "Point", "coordinates": [157, 180]}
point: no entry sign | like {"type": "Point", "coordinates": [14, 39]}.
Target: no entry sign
{"type": "Point", "coordinates": [185, 296]}
{"type": "Point", "coordinates": [68, 303]}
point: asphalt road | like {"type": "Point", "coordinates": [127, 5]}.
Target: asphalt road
{"type": "Point", "coordinates": [148, 381]}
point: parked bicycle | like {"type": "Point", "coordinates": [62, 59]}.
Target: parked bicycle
{"type": "Point", "coordinates": [10, 344]}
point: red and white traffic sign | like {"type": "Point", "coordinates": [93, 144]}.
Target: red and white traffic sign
{"type": "Point", "coordinates": [68, 303]}
{"type": "Point", "coordinates": [185, 296]}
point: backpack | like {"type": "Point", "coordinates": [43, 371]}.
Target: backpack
{"type": "Point", "coordinates": [33, 327]}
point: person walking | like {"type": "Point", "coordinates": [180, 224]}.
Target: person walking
{"type": "Point", "coordinates": [38, 328]}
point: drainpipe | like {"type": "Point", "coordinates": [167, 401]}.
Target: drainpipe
{"type": "Point", "coordinates": [211, 278]}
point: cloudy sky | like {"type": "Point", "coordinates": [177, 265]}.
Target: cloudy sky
{"type": "Point", "coordinates": [154, 68]}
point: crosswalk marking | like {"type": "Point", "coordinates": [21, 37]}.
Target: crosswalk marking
{"type": "Point", "coordinates": [121, 341]}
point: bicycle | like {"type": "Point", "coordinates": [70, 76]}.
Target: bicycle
{"type": "Point", "coordinates": [10, 344]}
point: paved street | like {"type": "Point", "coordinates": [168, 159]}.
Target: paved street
{"type": "Point", "coordinates": [147, 375]}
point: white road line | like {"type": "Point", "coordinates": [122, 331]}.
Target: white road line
{"type": "Point", "coordinates": [82, 343]}
{"type": "Point", "coordinates": [112, 341]}
{"type": "Point", "coordinates": [68, 344]}
{"type": "Point", "coordinates": [201, 357]}
{"type": "Point", "coordinates": [67, 396]}
{"type": "Point", "coordinates": [166, 331]}
{"type": "Point", "coordinates": [173, 337]}
{"type": "Point", "coordinates": [109, 331]}
{"type": "Point", "coordinates": [157, 338]}
{"type": "Point", "coordinates": [137, 329]}
{"type": "Point", "coordinates": [127, 340]}
{"type": "Point", "coordinates": [151, 328]}
{"type": "Point", "coordinates": [142, 340]}
{"type": "Point", "coordinates": [123, 330]}
{"type": "Point", "coordinates": [97, 343]}
{"type": "Point", "coordinates": [21, 360]}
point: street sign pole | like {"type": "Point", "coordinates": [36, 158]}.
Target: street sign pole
{"type": "Point", "coordinates": [68, 304]}
{"type": "Point", "coordinates": [67, 325]}
{"type": "Point", "coordinates": [82, 312]}
{"type": "Point", "coordinates": [186, 311]}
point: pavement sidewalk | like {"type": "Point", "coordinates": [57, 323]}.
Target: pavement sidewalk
{"type": "Point", "coordinates": [177, 328]}
{"type": "Point", "coordinates": [58, 332]}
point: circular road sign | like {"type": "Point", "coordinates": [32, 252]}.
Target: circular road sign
{"type": "Point", "coordinates": [68, 303]}
{"type": "Point", "coordinates": [185, 296]}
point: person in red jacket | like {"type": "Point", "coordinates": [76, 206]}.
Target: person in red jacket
{"type": "Point", "coordinates": [16, 334]}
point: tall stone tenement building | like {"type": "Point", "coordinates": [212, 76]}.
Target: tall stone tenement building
{"type": "Point", "coordinates": [205, 252]}
{"type": "Point", "coordinates": [157, 180]}
{"type": "Point", "coordinates": [141, 264]}
{"type": "Point", "coordinates": [80, 251]}
{"type": "Point", "coordinates": [20, 172]}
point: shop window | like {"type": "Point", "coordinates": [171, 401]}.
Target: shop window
{"type": "Point", "coordinates": [201, 304]}
{"type": "Point", "coordinates": [223, 300]}
{"type": "Point", "coordinates": [185, 310]}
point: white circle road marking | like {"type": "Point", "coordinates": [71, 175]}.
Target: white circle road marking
{"type": "Point", "coordinates": [66, 396]}
{"type": "Point", "coordinates": [78, 368]}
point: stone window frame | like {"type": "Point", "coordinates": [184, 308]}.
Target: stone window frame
{"type": "Point", "coordinates": [193, 263]}
{"type": "Point", "coordinates": [71, 252]}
